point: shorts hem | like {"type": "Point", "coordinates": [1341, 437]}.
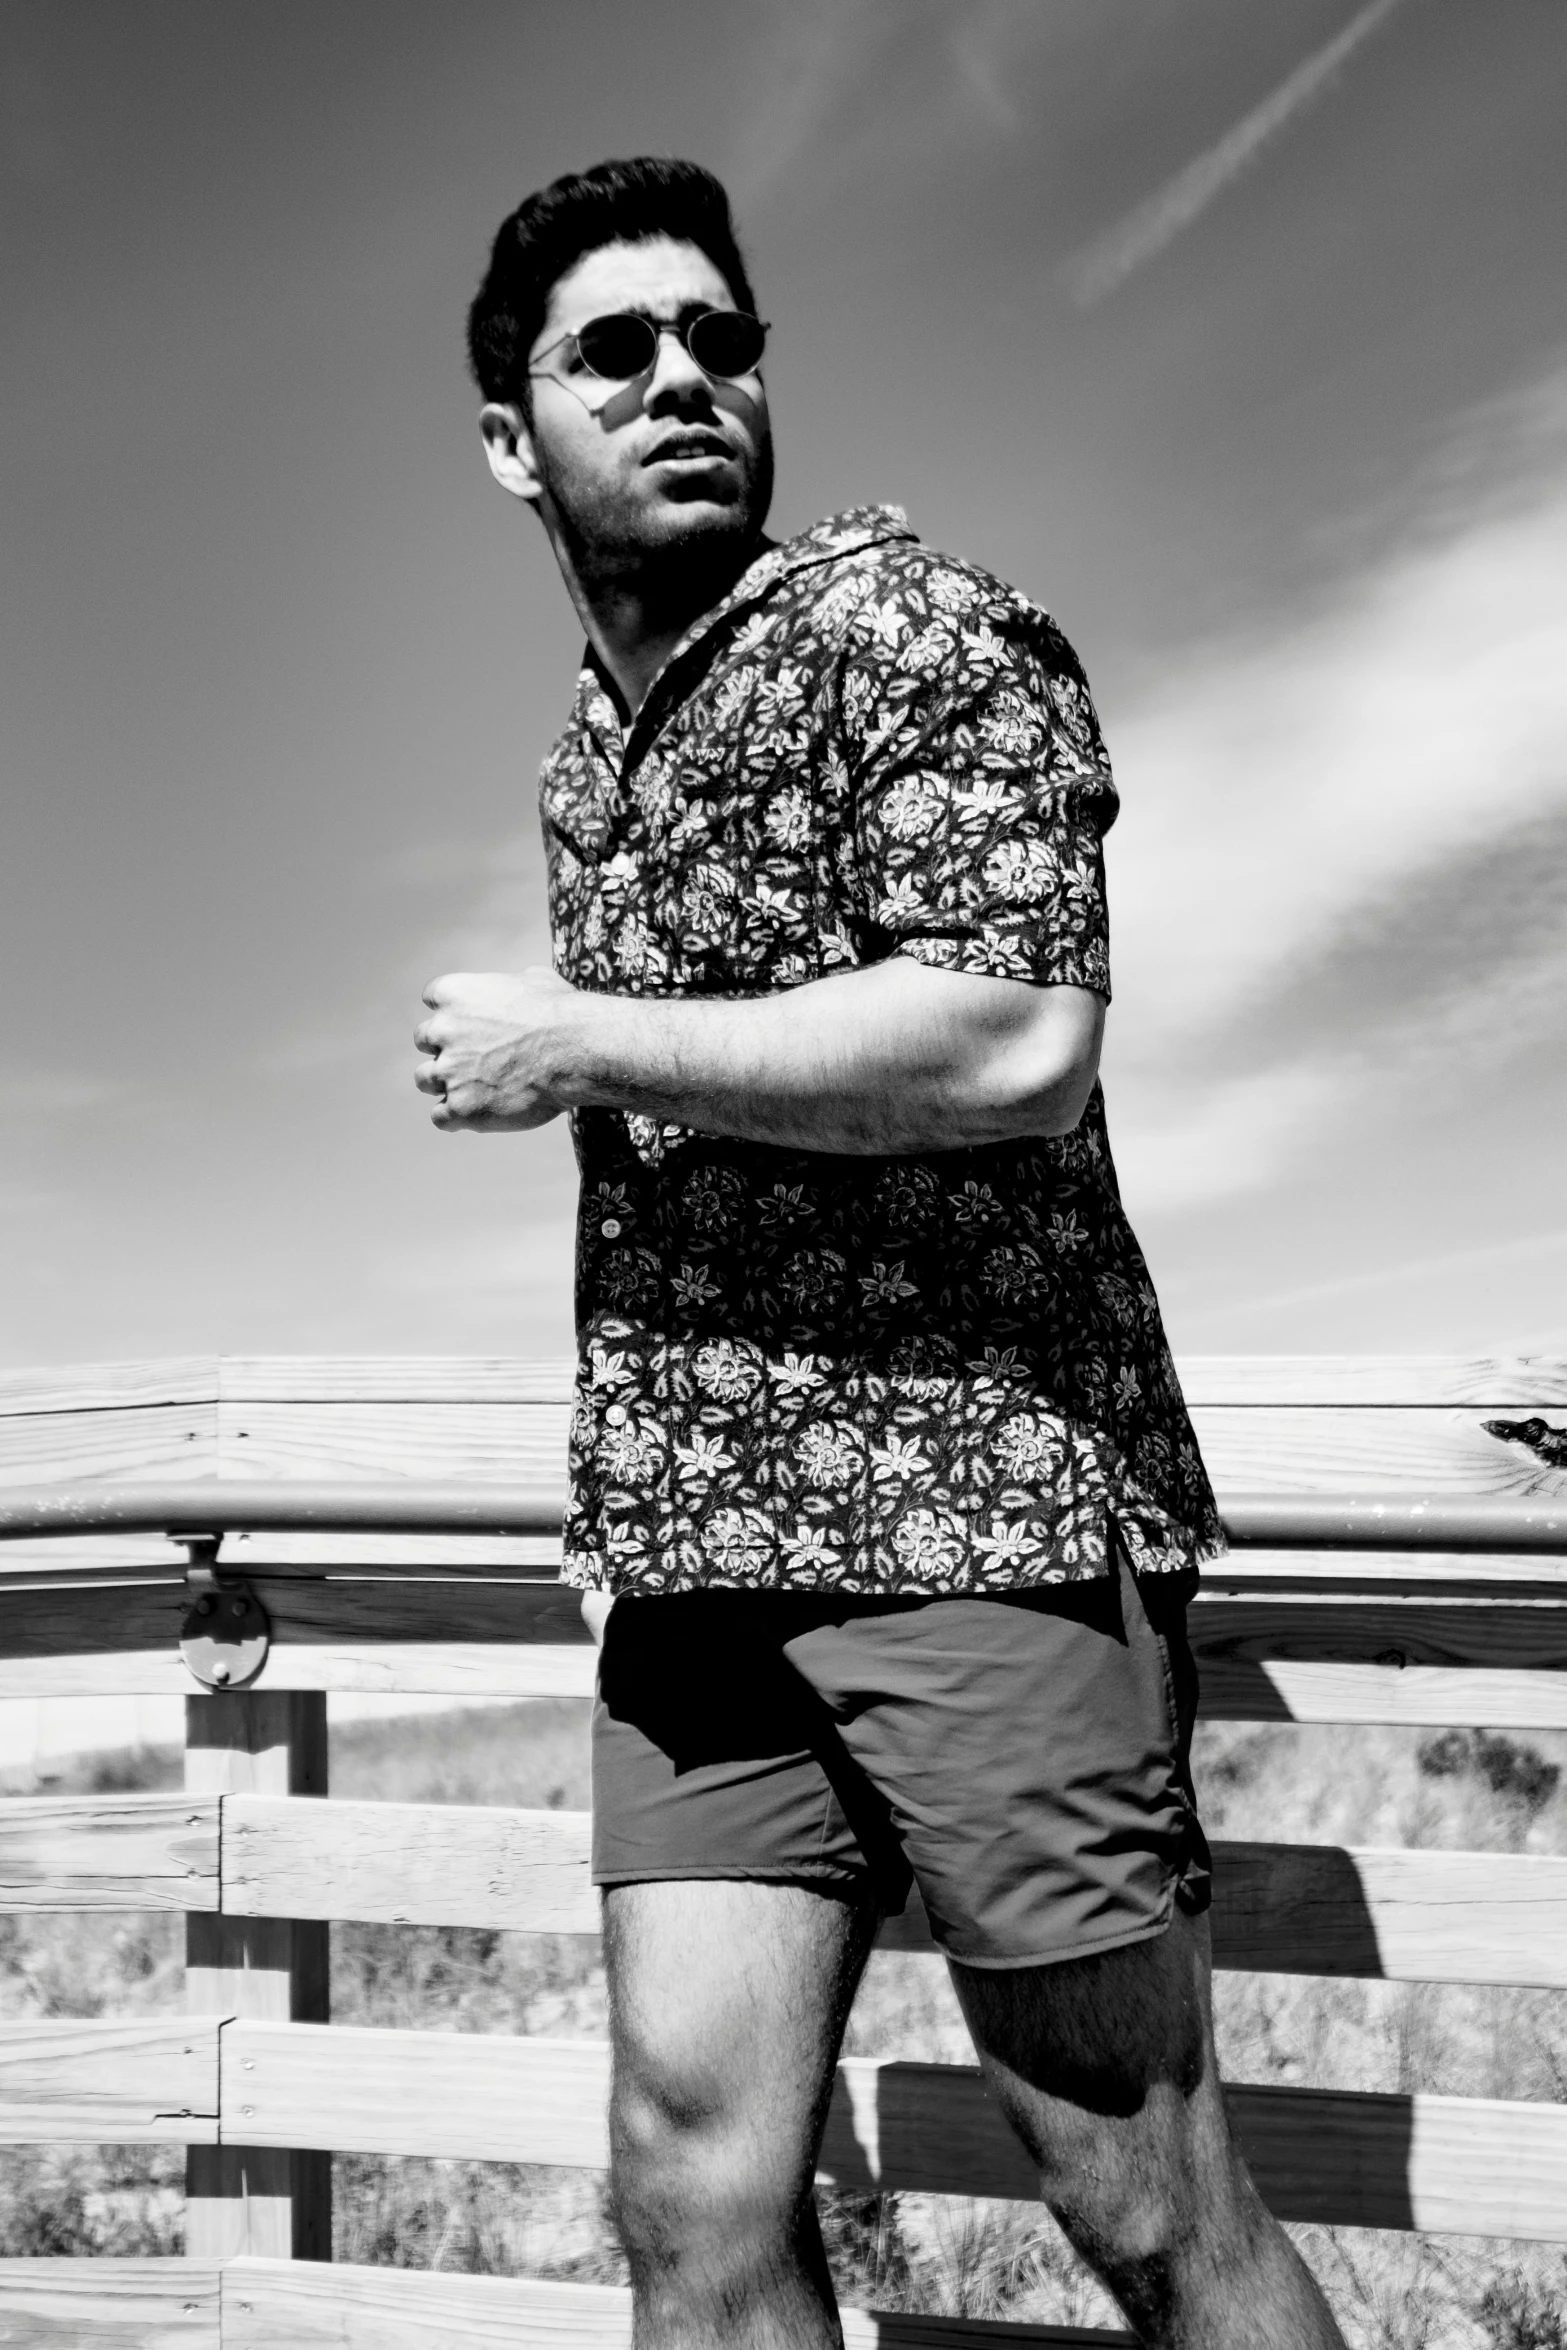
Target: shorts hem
{"type": "Point", "coordinates": [843, 1881]}
{"type": "Point", "coordinates": [1059, 1956]}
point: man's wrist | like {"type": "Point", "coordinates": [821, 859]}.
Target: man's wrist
{"type": "Point", "coordinates": [598, 1063]}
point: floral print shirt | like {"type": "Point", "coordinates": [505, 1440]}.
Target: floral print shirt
{"type": "Point", "coordinates": [805, 1371]}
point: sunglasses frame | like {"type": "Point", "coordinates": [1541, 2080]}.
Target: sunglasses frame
{"type": "Point", "coordinates": [681, 329]}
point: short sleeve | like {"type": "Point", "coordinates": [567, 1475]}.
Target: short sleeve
{"type": "Point", "coordinates": [982, 790]}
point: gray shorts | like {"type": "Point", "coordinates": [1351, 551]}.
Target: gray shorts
{"type": "Point", "coordinates": [1023, 1757]}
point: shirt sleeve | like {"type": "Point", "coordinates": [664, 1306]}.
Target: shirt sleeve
{"type": "Point", "coordinates": [982, 789]}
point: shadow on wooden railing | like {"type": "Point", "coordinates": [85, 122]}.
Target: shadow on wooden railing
{"type": "Point", "coordinates": [358, 1526]}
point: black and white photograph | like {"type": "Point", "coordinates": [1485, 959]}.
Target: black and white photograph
{"type": "Point", "coordinates": [783, 1375]}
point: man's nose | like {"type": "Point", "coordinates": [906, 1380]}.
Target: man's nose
{"type": "Point", "coordinates": [675, 375]}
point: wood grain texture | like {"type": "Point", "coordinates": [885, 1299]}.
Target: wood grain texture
{"type": "Point", "coordinates": [410, 1863]}
{"type": "Point", "coordinates": [108, 1852]}
{"type": "Point", "coordinates": [110, 2304]}
{"type": "Point", "coordinates": [1466, 2165]}
{"type": "Point", "coordinates": [271, 2200]}
{"type": "Point", "coordinates": [147, 1443]}
{"type": "Point", "coordinates": [445, 1668]}
{"type": "Point", "coordinates": [351, 1608]}
{"type": "Point", "coordinates": [1411, 1916]}
{"type": "Point", "coordinates": [1489, 1634]}
{"type": "Point", "coordinates": [441, 1379]}
{"type": "Point", "coordinates": [96, 1387]}
{"type": "Point", "coordinates": [137, 2078]}
{"type": "Point", "coordinates": [1413, 1697]}
{"type": "Point", "coordinates": [66, 1618]}
{"type": "Point", "coordinates": [271, 2305]}
{"type": "Point", "coordinates": [512, 1443]}
{"type": "Point", "coordinates": [1287, 1448]}
{"type": "Point", "coordinates": [1496, 1382]}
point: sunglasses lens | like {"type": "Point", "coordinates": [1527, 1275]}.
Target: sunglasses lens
{"type": "Point", "coordinates": [618, 347]}
{"type": "Point", "coordinates": [726, 342]}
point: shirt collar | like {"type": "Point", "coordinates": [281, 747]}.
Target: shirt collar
{"type": "Point", "coordinates": [573, 800]}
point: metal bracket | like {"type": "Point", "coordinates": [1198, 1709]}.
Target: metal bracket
{"type": "Point", "coordinates": [225, 1638]}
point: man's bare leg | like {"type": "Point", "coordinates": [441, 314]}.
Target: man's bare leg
{"type": "Point", "coordinates": [727, 2006]}
{"type": "Point", "coordinates": [1106, 2069]}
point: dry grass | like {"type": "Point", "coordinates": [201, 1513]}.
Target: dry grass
{"type": "Point", "coordinates": [913, 2252]}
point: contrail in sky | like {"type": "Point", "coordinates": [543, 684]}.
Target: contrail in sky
{"type": "Point", "coordinates": [1101, 266]}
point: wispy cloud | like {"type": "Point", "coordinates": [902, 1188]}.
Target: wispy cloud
{"type": "Point", "coordinates": [1531, 1249]}
{"type": "Point", "coordinates": [814, 60]}
{"type": "Point", "coordinates": [1342, 881]}
{"type": "Point", "coordinates": [1105, 263]}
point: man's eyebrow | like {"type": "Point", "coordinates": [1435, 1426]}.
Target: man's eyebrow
{"type": "Point", "coordinates": [691, 309]}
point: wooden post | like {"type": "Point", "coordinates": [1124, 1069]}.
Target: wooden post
{"type": "Point", "coordinates": [271, 2201]}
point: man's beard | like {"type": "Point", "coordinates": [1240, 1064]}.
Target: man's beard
{"type": "Point", "coordinates": [660, 556]}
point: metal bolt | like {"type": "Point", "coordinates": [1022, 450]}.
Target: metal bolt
{"type": "Point", "coordinates": [203, 1607]}
{"type": "Point", "coordinates": [237, 1607]}
{"type": "Point", "coordinates": [247, 2113]}
{"type": "Point", "coordinates": [220, 1673]}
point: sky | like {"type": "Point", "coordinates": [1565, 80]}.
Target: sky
{"type": "Point", "coordinates": [1233, 335]}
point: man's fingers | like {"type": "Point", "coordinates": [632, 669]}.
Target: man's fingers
{"type": "Point", "coordinates": [430, 1080]}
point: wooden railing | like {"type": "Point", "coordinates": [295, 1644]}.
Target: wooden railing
{"type": "Point", "coordinates": [1427, 1510]}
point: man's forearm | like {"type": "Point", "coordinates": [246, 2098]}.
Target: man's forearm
{"type": "Point", "coordinates": [896, 1058]}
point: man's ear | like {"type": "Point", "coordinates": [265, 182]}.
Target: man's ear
{"type": "Point", "coordinates": [508, 445]}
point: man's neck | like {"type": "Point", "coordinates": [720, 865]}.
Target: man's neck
{"type": "Point", "coordinates": [634, 620]}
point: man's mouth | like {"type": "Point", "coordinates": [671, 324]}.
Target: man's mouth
{"type": "Point", "coordinates": [681, 447]}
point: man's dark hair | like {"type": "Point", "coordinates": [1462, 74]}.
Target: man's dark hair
{"type": "Point", "coordinates": [648, 196]}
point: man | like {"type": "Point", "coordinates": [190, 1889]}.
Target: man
{"type": "Point", "coordinates": [878, 1448]}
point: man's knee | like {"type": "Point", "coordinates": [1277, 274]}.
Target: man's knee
{"type": "Point", "coordinates": [692, 2165]}
{"type": "Point", "coordinates": [1138, 2194]}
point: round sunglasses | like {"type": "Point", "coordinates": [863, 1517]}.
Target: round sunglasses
{"type": "Point", "coordinates": [622, 346]}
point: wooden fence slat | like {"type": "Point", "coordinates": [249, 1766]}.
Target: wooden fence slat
{"type": "Point", "coordinates": [145, 1443]}
{"type": "Point", "coordinates": [410, 1863]}
{"type": "Point", "coordinates": [79, 1852]}
{"type": "Point", "coordinates": [1467, 2165]}
{"type": "Point", "coordinates": [396, 1609]}
{"type": "Point", "coordinates": [110, 2304]}
{"type": "Point", "coordinates": [277, 2305]}
{"type": "Point", "coordinates": [1464, 2166]}
{"type": "Point", "coordinates": [1322, 1449]}
{"type": "Point", "coordinates": [1412, 1916]}
{"type": "Point", "coordinates": [445, 1379]}
{"type": "Point", "coordinates": [1484, 1634]}
{"type": "Point", "coordinates": [434, 1668]}
{"type": "Point", "coordinates": [1419, 1697]}
{"type": "Point", "coordinates": [1529, 1382]}
{"type": "Point", "coordinates": [1406, 1915]}
{"type": "Point", "coordinates": [1259, 1382]}
{"type": "Point", "coordinates": [481, 2096]}
{"type": "Point", "coordinates": [137, 2079]}
{"type": "Point", "coordinates": [95, 1387]}
{"type": "Point", "coordinates": [514, 1443]}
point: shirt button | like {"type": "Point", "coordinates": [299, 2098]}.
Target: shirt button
{"type": "Point", "coordinates": [616, 1415]}
{"type": "Point", "coordinates": [611, 1228]}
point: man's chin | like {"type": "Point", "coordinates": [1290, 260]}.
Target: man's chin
{"type": "Point", "coordinates": [693, 514]}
